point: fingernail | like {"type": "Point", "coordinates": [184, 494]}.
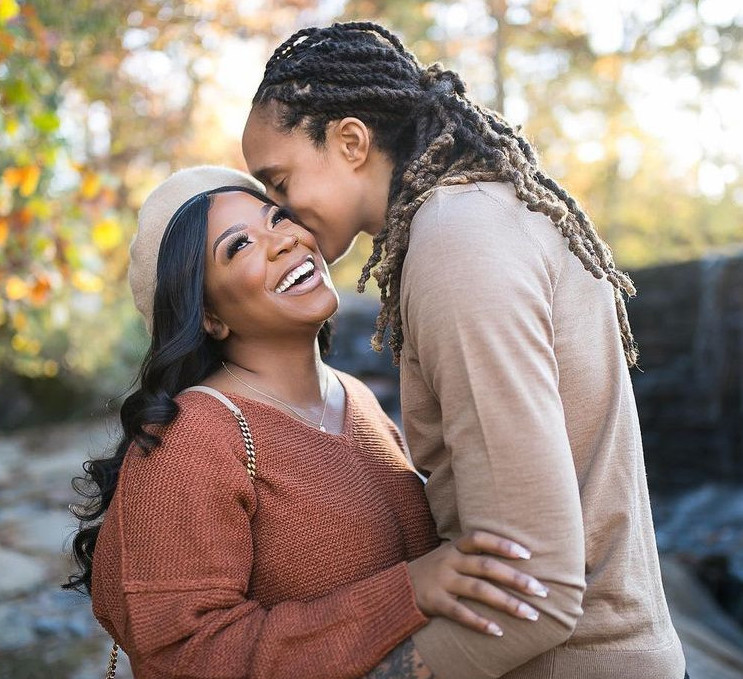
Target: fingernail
{"type": "Point", "coordinates": [538, 589]}
{"type": "Point", "coordinates": [494, 630]}
{"type": "Point", "coordinates": [528, 612]}
{"type": "Point", "coordinates": [521, 552]}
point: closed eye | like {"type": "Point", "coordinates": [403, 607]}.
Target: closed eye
{"type": "Point", "coordinates": [279, 215]}
{"type": "Point", "coordinates": [237, 243]}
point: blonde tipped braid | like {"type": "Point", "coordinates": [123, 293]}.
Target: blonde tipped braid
{"type": "Point", "coordinates": [419, 181]}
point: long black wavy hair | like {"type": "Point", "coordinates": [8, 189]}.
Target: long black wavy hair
{"type": "Point", "coordinates": [180, 355]}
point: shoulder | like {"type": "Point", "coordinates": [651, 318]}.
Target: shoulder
{"type": "Point", "coordinates": [203, 438]}
{"type": "Point", "coordinates": [456, 222]}
{"type": "Point", "coordinates": [477, 234]}
{"type": "Point", "coordinates": [367, 405]}
{"type": "Point", "coordinates": [469, 204]}
{"type": "Point", "coordinates": [358, 391]}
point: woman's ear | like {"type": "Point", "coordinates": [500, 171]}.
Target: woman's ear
{"type": "Point", "coordinates": [353, 139]}
{"type": "Point", "coordinates": [214, 327]}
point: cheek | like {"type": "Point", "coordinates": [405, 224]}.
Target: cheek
{"type": "Point", "coordinates": [236, 291]}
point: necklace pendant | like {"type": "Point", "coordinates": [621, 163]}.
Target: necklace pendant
{"type": "Point", "coordinates": [322, 427]}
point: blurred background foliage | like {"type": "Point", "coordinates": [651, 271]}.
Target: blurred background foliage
{"type": "Point", "coordinates": [634, 106]}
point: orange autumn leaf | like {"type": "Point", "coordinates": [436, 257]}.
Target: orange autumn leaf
{"type": "Point", "coordinates": [90, 185]}
{"type": "Point", "coordinates": [30, 180]}
{"type": "Point", "coordinates": [4, 230]}
{"type": "Point", "coordinates": [25, 215]}
{"type": "Point", "coordinates": [25, 179]}
{"type": "Point", "coordinates": [40, 291]}
{"type": "Point", "coordinates": [12, 176]}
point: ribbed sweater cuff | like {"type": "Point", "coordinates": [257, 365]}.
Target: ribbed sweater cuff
{"type": "Point", "coordinates": [388, 604]}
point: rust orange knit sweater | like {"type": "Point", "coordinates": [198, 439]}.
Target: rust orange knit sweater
{"type": "Point", "coordinates": [201, 572]}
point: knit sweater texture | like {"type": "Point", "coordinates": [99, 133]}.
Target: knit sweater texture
{"type": "Point", "coordinates": [200, 572]}
{"type": "Point", "coordinates": [518, 406]}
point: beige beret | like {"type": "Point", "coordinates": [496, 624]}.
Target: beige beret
{"type": "Point", "coordinates": [154, 216]}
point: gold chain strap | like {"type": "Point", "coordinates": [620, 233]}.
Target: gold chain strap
{"type": "Point", "coordinates": [111, 668]}
{"type": "Point", "coordinates": [250, 451]}
{"type": "Point", "coordinates": [247, 439]}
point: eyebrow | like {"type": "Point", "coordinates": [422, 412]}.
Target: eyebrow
{"type": "Point", "coordinates": [262, 174]}
{"type": "Point", "coordinates": [237, 227]}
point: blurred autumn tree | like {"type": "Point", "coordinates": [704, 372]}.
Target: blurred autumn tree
{"type": "Point", "coordinates": [100, 99]}
{"type": "Point", "coordinates": [584, 84]}
{"type": "Point", "coordinates": [98, 102]}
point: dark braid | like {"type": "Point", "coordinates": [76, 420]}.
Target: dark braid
{"type": "Point", "coordinates": [423, 120]}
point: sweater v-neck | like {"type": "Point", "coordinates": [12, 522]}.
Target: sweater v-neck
{"type": "Point", "coordinates": [346, 433]}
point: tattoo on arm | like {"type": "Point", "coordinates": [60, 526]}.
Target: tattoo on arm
{"type": "Point", "coordinates": [404, 662]}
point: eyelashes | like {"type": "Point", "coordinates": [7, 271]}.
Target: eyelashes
{"type": "Point", "coordinates": [237, 243]}
{"type": "Point", "coordinates": [241, 240]}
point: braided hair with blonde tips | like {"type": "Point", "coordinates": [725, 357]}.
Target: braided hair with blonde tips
{"type": "Point", "coordinates": [434, 135]}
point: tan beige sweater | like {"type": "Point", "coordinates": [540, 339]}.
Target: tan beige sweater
{"type": "Point", "coordinates": [517, 404]}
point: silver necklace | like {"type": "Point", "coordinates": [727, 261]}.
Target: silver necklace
{"type": "Point", "coordinates": [319, 424]}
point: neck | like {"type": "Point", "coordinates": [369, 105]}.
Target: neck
{"type": "Point", "coordinates": [287, 369]}
{"type": "Point", "coordinates": [380, 169]}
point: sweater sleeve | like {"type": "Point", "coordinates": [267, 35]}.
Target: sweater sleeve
{"type": "Point", "coordinates": [186, 554]}
{"type": "Point", "coordinates": [478, 290]}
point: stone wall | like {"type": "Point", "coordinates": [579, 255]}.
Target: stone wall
{"type": "Point", "coordinates": [688, 321]}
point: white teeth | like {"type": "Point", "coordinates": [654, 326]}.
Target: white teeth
{"type": "Point", "coordinates": [294, 274]}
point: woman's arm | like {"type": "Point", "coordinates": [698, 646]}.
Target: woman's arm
{"type": "Point", "coordinates": [403, 663]}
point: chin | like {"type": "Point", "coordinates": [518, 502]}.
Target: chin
{"type": "Point", "coordinates": [322, 310]}
{"type": "Point", "coordinates": [335, 254]}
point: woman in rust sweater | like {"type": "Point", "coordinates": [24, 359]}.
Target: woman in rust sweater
{"type": "Point", "coordinates": [306, 559]}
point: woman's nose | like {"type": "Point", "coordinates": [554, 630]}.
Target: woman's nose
{"type": "Point", "coordinates": [280, 243]}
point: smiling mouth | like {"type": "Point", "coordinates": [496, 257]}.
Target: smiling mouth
{"type": "Point", "coordinates": [296, 276]}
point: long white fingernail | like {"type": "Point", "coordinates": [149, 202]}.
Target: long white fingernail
{"type": "Point", "coordinates": [521, 552]}
{"type": "Point", "coordinates": [528, 612]}
{"type": "Point", "coordinates": [494, 630]}
{"type": "Point", "coordinates": [537, 589]}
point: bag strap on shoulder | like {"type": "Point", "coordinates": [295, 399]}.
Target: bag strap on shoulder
{"type": "Point", "coordinates": [241, 421]}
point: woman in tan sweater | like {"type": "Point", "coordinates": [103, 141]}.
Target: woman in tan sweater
{"type": "Point", "coordinates": [296, 550]}
{"type": "Point", "coordinates": [506, 314]}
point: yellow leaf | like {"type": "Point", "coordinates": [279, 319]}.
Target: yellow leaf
{"type": "Point", "coordinates": [9, 9]}
{"type": "Point", "coordinates": [16, 288]}
{"type": "Point", "coordinates": [87, 282]}
{"type": "Point", "coordinates": [107, 234]}
{"type": "Point", "coordinates": [51, 368]}
{"type": "Point", "coordinates": [11, 126]}
{"type": "Point", "coordinates": [20, 321]}
{"type": "Point", "coordinates": [25, 345]}
{"type": "Point", "coordinates": [90, 185]}
{"type": "Point", "coordinates": [40, 208]}
{"type": "Point", "coordinates": [4, 229]}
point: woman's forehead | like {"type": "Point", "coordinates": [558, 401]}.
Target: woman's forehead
{"type": "Point", "coordinates": [236, 205]}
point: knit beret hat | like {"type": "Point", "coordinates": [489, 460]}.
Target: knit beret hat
{"type": "Point", "coordinates": [154, 216]}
